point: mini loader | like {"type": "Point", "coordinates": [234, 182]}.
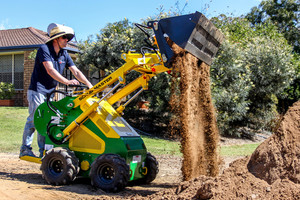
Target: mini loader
{"type": "Point", "coordinates": [86, 135]}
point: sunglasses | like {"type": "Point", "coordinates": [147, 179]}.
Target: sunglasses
{"type": "Point", "coordinates": [64, 37]}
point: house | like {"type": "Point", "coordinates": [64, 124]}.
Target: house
{"type": "Point", "coordinates": [16, 65]}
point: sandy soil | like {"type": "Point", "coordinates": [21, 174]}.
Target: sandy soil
{"type": "Point", "coordinates": [23, 180]}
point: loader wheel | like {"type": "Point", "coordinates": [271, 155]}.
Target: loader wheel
{"type": "Point", "coordinates": [152, 169]}
{"type": "Point", "coordinates": [109, 172]}
{"type": "Point", "coordinates": [59, 166]}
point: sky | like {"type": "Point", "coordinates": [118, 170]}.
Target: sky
{"type": "Point", "coordinates": [88, 17]}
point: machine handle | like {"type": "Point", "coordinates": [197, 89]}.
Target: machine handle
{"type": "Point", "coordinates": [82, 86]}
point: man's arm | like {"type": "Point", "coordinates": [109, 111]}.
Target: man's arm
{"type": "Point", "coordinates": [80, 76]}
{"type": "Point", "coordinates": [57, 76]}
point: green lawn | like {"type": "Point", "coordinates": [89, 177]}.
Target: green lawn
{"type": "Point", "coordinates": [161, 147]}
{"type": "Point", "coordinates": [238, 150]}
{"type": "Point", "coordinates": [12, 121]}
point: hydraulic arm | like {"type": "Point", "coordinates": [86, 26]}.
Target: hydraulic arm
{"type": "Point", "coordinates": [147, 65]}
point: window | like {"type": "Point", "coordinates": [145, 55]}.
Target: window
{"type": "Point", "coordinates": [12, 69]}
{"type": "Point", "coordinates": [19, 71]}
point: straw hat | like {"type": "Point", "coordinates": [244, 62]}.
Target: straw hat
{"type": "Point", "coordinates": [57, 30]}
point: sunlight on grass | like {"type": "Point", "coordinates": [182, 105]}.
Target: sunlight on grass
{"type": "Point", "coordinates": [161, 146]}
{"type": "Point", "coordinates": [238, 150]}
{"type": "Point", "coordinates": [12, 122]}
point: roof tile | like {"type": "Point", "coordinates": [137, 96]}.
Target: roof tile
{"type": "Point", "coordinates": [24, 37]}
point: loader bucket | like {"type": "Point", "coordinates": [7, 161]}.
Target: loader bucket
{"type": "Point", "coordinates": [192, 32]}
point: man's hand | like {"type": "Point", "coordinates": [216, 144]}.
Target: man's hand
{"type": "Point", "coordinates": [80, 76]}
{"type": "Point", "coordinates": [72, 82]}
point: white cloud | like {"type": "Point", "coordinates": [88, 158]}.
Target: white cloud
{"type": "Point", "coordinates": [4, 24]}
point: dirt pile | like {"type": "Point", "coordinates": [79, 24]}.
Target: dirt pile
{"type": "Point", "coordinates": [279, 156]}
{"type": "Point", "coordinates": [195, 114]}
{"type": "Point", "coordinates": [273, 170]}
{"type": "Point", "coordinates": [236, 182]}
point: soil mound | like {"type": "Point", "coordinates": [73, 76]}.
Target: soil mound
{"type": "Point", "coordinates": [273, 170]}
{"type": "Point", "coordinates": [236, 182]}
{"type": "Point", "coordinates": [195, 111]}
{"type": "Point", "coordinates": [279, 156]}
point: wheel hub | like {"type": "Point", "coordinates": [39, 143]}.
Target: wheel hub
{"type": "Point", "coordinates": [106, 173]}
{"type": "Point", "coordinates": [56, 167]}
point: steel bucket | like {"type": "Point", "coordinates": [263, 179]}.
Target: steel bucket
{"type": "Point", "coordinates": [192, 32]}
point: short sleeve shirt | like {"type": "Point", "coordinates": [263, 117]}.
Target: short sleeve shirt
{"type": "Point", "coordinates": [41, 81]}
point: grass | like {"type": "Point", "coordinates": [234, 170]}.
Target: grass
{"type": "Point", "coordinates": [238, 150]}
{"type": "Point", "coordinates": [161, 146]}
{"type": "Point", "coordinates": [12, 121]}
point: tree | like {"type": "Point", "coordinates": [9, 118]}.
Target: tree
{"type": "Point", "coordinates": [272, 71]}
{"type": "Point", "coordinates": [251, 71]}
{"type": "Point", "coordinates": [285, 14]}
{"type": "Point", "coordinates": [231, 85]}
{"type": "Point", "coordinates": [105, 53]}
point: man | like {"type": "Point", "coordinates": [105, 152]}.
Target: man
{"type": "Point", "coordinates": [51, 59]}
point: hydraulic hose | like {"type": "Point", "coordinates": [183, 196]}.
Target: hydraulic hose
{"type": "Point", "coordinates": [51, 106]}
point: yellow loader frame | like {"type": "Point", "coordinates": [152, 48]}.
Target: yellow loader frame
{"type": "Point", "coordinates": [149, 65]}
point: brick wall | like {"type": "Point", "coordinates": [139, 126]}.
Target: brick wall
{"type": "Point", "coordinates": [28, 68]}
{"type": "Point", "coordinates": [18, 98]}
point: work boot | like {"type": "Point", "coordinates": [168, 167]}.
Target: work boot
{"type": "Point", "coordinates": [26, 152]}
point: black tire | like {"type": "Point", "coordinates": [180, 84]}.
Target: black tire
{"type": "Point", "coordinates": [152, 169]}
{"type": "Point", "coordinates": [59, 166]}
{"type": "Point", "coordinates": [109, 172]}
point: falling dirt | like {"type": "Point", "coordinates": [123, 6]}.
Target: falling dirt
{"type": "Point", "coordinates": [195, 114]}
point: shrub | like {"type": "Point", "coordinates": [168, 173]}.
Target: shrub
{"type": "Point", "coordinates": [7, 90]}
{"type": "Point", "coordinates": [230, 88]}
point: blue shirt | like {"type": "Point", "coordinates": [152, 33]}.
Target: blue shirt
{"type": "Point", "coordinates": [41, 81]}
